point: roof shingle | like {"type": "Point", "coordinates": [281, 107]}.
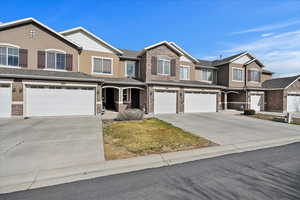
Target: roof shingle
{"type": "Point", "coordinates": [279, 83]}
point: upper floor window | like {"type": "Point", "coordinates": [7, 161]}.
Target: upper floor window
{"type": "Point", "coordinates": [237, 74]}
{"type": "Point", "coordinates": [164, 66]}
{"type": "Point", "coordinates": [102, 65]}
{"type": "Point", "coordinates": [130, 68]}
{"type": "Point", "coordinates": [206, 75]}
{"type": "Point", "coordinates": [9, 56]}
{"type": "Point", "coordinates": [55, 60]}
{"type": "Point", "coordinates": [254, 75]}
{"type": "Point", "coordinates": [184, 73]}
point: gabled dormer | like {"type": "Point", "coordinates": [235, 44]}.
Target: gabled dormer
{"type": "Point", "coordinates": [98, 57]}
{"type": "Point", "coordinates": [240, 70]}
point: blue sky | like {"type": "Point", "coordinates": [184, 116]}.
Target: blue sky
{"type": "Point", "coordinates": [270, 29]}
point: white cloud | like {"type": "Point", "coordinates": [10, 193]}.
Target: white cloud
{"type": "Point", "coordinates": [267, 27]}
{"type": "Point", "coordinates": [266, 34]}
{"type": "Point", "coordinates": [280, 53]}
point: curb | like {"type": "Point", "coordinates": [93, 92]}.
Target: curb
{"type": "Point", "coordinates": [51, 177]}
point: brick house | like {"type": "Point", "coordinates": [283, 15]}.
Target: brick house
{"type": "Point", "coordinates": [74, 72]}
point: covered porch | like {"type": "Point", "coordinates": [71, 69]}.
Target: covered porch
{"type": "Point", "coordinates": [119, 98]}
{"type": "Point", "coordinates": [243, 99]}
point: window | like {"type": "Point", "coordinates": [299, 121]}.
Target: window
{"type": "Point", "coordinates": [9, 56]}
{"type": "Point", "coordinates": [184, 73]}
{"type": "Point", "coordinates": [126, 95]}
{"type": "Point", "coordinates": [206, 75]}
{"type": "Point", "coordinates": [254, 75]}
{"type": "Point", "coordinates": [55, 60]}
{"type": "Point", "coordinates": [238, 74]}
{"type": "Point", "coordinates": [130, 68]}
{"type": "Point", "coordinates": [102, 65]}
{"type": "Point", "coordinates": [163, 66]}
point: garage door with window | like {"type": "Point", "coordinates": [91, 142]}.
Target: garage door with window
{"type": "Point", "coordinates": [5, 100]}
{"type": "Point", "coordinates": [165, 102]}
{"type": "Point", "coordinates": [200, 102]}
{"type": "Point", "coordinates": [293, 103]}
{"type": "Point", "coordinates": [256, 102]}
{"type": "Point", "coordinates": [59, 101]}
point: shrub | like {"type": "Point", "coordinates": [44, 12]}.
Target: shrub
{"type": "Point", "coordinates": [249, 112]}
{"type": "Point", "coordinates": [130, 114]}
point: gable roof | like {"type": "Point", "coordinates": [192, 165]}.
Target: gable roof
{"type": "Point", "coordinates": [229, 59]}
{"type": "Point", "coordinates": [131, 54]}
{"type": "Point", "coordinates": [78, 29]}
{"type": "Point", "coordinates": [29, 20]}
{"type": "Point", "coordinates": [183, 51]}
{"type": "Point", "coordinates": [280, 83]}
{"type": "Point", "coordinates": [162, 43]}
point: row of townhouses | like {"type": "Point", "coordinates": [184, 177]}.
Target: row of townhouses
{"type": "Point", "coordinates": [74, 72]}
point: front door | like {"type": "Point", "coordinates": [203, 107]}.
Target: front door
{"type": "Point", "coordinates": [135, 98]}
{"type": "Point", "coordinates": [110, 98]}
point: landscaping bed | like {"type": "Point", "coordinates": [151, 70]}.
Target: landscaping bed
{"type": "Point", "coordinates": [272, 118]}
{"type": "Point", "coordinates": [149, 136]}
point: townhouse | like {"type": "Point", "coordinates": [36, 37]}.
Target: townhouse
{"type": "Point", "coordinates": [74, 72]}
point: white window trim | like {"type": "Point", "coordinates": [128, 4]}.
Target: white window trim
{"type": "Point", "coordinates": [55, 51]}
{"type": "Point", "coordinates": [189, 71]}
{"type": "Point", "coordinates": [201, 75]}
{"type": "Point", "coordinates": [133, 69]}
{"type": "Point", "coordinates": [163, 59]}
{"type": "Point", "coordinates": [251, 81]}
{"type": "Point", "coordinates": [7, 45]}
{"type": "Point", "coordinates": [243, 75]}
{"type": "Point", "coordinates": [112, 64]}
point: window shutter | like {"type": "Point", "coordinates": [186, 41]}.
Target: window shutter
{"type": "Point", "coordinates": [153, 65]}
{"type": "Point", "coordinates": [69, 62]}
{"type": "Point", "coordinates": [259, 76]}
{"type": "Point", "coordinates": [23, 57]}
{"type": "Point", "coordinates": [249, 75]}
{"type": "Point", "coordinates": [173, 67]}
{"type": "Point", "coordinates": [215, 76]}
{"type": "Point", "coordinates": [41, 59]}
{"type": "Point", "coordinates": [137, 69]}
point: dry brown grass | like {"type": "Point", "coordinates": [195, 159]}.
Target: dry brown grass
{"type": "Point", "coordinates": [149, 136]}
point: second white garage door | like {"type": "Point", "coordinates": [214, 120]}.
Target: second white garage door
{"type": "Point", "coordinates": [293, 103]}
{"type": "Point", "coordinates": [200, 102]}
{"type": "Point", "coordinates": [60, 101]}
{"type": "Point", "coordinates": [165, 102]}
{"type": "Point", "coordinates": [5, 100]}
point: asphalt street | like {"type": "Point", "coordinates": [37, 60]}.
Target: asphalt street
{"type": "Point", "coordinates": [264, 174]}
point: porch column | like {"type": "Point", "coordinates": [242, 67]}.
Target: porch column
{"type": "Point", "coordinates": [120, 101]}
{"type": "Point", "coordinates": [225, 101]}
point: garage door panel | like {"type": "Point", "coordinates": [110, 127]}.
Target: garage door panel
{"type": "Point", "coordinates": [165, 102]}
{"type": "Point", "coordinates": [59, 102]}
{"type": "Point", "coordinates": [293, 103]}
{"type": "Point", "coordinates": [5, 101]}
{"type": "Point", "coordinates": [200, 102]}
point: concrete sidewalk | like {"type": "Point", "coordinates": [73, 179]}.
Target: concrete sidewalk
{"type": "Point", "coordinates": [44, 178]}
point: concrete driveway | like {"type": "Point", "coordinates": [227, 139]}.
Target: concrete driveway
{"type": "Point", "coordinates": [229, 128]}
{"type": "Point", "coordinates": [48, 143]}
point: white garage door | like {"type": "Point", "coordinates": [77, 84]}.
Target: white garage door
{"type": "Point", "coordinates": [165, 102]}
{"type": "Point", "coordinates": [293, 103]}
{"type": "Point", "coordinates": [5, 100]}
{"type": "Point", "coordinates": [59, 101]}
{"type": "Point", "coordinates": [200, 102]}
{"type": "Point", "coordinates": [256, 102]}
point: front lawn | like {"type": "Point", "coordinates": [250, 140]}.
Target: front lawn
{"type": "Point", "coordinates": [148, 136]}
